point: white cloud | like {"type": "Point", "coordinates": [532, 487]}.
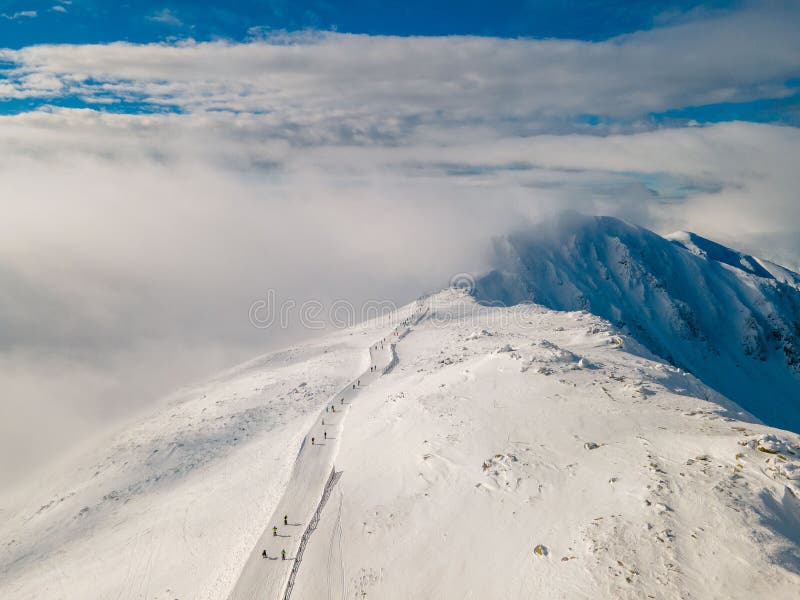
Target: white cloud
{"type": "Point", "coordinates": [23, 14]}
{"type": "Point", "coordinates": [308, 163]}
{"type": "Point", "coordinates": [58, 8]}
{"type": "Point", "coordinates": [528, 83]}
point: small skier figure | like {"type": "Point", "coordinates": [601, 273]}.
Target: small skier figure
{"type": "Point", "coordinates": [285, 519]}
{"type": "Point", "coordinates": [312, 441]}
{"type": "Point", "coordinates": [263, 554]}
{"type": "Point", "coordinates": [354, 386]}
{"type": "Point", "coordinates": [274, 531]}
{"type": "Point", "coordinates": [333, 408]}
{"type": "Point", "coordinates": [342, 400]}
{"type": "Point", "coordinates": [283, 554]}
{"type": "Point", "coordinates": [325, 434]}
{"type": "Point", "coordinates": [359, 382]}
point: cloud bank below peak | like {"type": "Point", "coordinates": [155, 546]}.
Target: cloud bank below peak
{"type": "Point", "coordinates": [152, 192]}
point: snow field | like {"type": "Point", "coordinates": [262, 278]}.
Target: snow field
{"type": "Point", "coordinates": [486, 442]}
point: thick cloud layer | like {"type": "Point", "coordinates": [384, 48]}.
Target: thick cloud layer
{"type": "Point", "coordinates": [304, 78]}
{"type": "Point", "coordinates": [132, 246]}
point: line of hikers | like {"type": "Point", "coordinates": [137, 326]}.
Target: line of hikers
{"type": "Point", "coordinates": [264, 554]}
{"type": "Point", "coordinates": [324, 433]}
{"type": "Point", "coordinates": [275, 534]}
{"type": "Point", "coordinates": [332, 407]}
{"type": "Point", "coordinates": [372, 369]}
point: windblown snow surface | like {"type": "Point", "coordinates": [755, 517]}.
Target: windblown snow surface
{"type": "Point", "coordinates": [501, 452]}
{"type": "Point", "coordinates": [172, 506]}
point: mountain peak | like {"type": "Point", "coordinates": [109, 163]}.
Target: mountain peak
{"type": "Point", "coordinates": [727, 316]}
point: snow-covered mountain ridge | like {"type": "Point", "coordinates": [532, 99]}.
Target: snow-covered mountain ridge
{"type": "Point", "coordinates": [730, 318]}
{"type": "Point", "coordinates": [494, 453]}
{"type": "Point", "coordinates": [712, 250]}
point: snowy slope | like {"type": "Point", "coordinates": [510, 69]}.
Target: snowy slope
{"type": "Point", "coordinates": [712, 251]}
{"type": "Point", "coordinates": [497, 452]}
{"type": "Point", "coordinates": [730, 318]}
{"type": "Point", "coordinates": [501, 430]}
{"type": "Point", "coordinates": [172, 506]}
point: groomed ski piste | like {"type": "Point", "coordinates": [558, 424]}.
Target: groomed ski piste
{"type": "Point", "coordinates": [494, 453]}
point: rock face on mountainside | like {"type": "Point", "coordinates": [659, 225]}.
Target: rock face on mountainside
{"type": "Point", "coordinates": [730, 318]}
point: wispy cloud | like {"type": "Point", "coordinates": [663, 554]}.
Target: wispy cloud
{"type": "Point", "coordinates": [165, 16]}
{"type": "Point", "coordinates": [23, 14]}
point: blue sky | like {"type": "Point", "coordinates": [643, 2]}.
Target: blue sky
{"type": "Point", "coordinates": [29, 22]}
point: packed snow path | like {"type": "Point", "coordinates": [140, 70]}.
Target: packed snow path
{"type": "Point", "coordinates": [267, 578]}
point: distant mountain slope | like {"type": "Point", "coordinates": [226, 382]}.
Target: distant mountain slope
{"type": "Point", "coordinates": [730, 318]}
{"type": "Point", "coordinates": [711, 250]}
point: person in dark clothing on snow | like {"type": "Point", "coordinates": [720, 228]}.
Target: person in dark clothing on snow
{"type": "Point", "coordinates": [285, 519]}
{"type": "Point", "coordinates": [326, 435]}
{"type": "Point", "coordinates": [312, 441]}
{"type": "Point", "coordinates": [263, 554]}
{"type": "Point", "coordinates": [274, 531]}
{"type": "Point", "coordinates": [283, 554]}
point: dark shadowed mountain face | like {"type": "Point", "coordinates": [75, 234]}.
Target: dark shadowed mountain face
{"type": "Point", "coordinates": [731, 319]}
